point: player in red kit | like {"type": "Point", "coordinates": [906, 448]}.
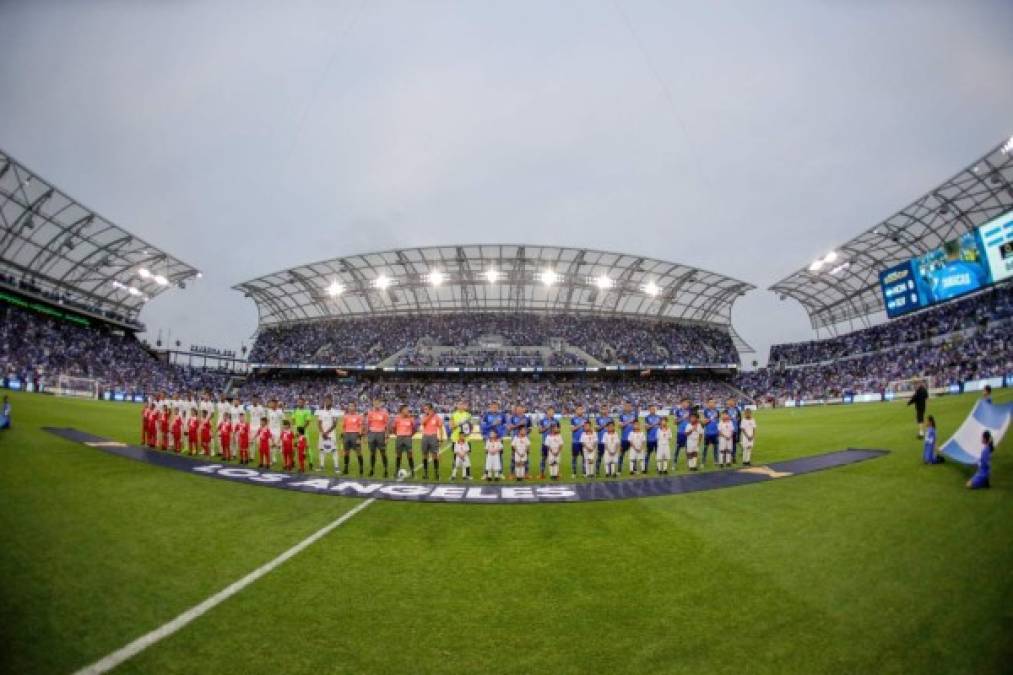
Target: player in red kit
{"type": "Point", "coordinates": [243, 440]}
{"type": "Point", "coordinates": [264, 438]}
{"type": "Point", "coordinates": [205, 433]}
{"type": "Point", "coordinates": [177, 431]}
{"type": "Point", "coordinates": [145, 411]}
{"type": "Point", "coordinates": [301, 446]}
{"type": "Point", "coordinates": [287, 446]}
{"type": "Point", "coordinates": [225, 436]}
{"type": "Point", "coordinates": [163, 427]}
{"type": "Point", "coordinates": [192, 425]}
{"type": "Point", "coordinates": [153, 427]}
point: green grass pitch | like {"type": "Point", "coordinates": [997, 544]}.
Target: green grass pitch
{"type": "Point", "coordinates": [884, 566]}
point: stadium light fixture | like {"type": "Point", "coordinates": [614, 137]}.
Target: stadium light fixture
{"type": "Point", "coordinates": [160, 280]}
{"type": "Point", "coordinates": [492, 275]}
{"type": "Point", "coordinates": [840, 268]}
{"type": "Point", "coordinates": [549, 277]}
{"type": "Point", "coordinates": [436, 277]}
{"type": "Point", "coordinates": [200, 275]}
{"type": "Point", "coordinates": [818, 264]}
{"type": "Point", "coordinates": [1008, 146]}
{"type": "Point", "coordinates": [335, 289]}
{"type": "Point", "coordinates": [144, 272]}
{"type": "Point", "coordinates": [381, 282]}
{"type": "Point", "coordinates": [651, 288]}
{"type": "Point", "coordinates": [604, 282]}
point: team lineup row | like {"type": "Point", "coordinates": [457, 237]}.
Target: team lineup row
{"type": "Point", "coordinates": [229, 429]}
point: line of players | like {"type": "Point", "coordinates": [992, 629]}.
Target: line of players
{"type": "Point", "coordinates": [228, 429]}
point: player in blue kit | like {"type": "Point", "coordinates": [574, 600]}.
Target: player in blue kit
{"type": "Point", "coordinates": [601, 422]}
{"type": "Point", "coordinates": [493, 420]}
{"type": "Point", "coordinates": [984, 472]}
{"type": "Point", "coordinates": [626, 418]}
{"type": "Point", "coordinates": [734, 414]}
{"type": "Point", "coordinates": [576, 433]}
{"type": "Point", "coordinates": [929, 455]}
{"type": "Point", "coordinates": [652, 422]}
{"type": "Point", "coordinates": [516, 421]}
{"type": "Point", "coordinates": [956, 276]}
{"type": "Point", "coordinates": [710, 430]}
{"type": "Point", "coordinates": [545, 426]}
{"type": "Point", "coordinates": [682, 414]}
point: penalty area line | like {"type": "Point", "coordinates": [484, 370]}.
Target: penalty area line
{"type": "Point", "coordinates": [140, 644]}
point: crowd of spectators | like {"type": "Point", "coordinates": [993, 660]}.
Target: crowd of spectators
{"type": "Point", "coordinates": [613, 340]}
{"type": "Point", "coordinates": [987, 352]}
{"type": "Point", "coordinates": [37, 349]}
{"type": "Point", "coordinates": [978, 311]}
{"type": "Point", "coordinates": [61, 298]}
{"type": "Point", "coordinates": [535, 394]}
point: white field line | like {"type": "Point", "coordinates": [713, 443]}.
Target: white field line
{"type": "Point", "coordinates": [131, 650]}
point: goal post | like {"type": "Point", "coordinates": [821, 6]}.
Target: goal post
{"type": "Point", "coordinates": [908, 385]}
{"type": "Point", "coordinates": [73, 385]}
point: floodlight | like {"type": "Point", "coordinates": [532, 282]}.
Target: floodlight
{"type": "Point", "coordinates": [549, 277]}
{"type": "Point", "coordinates": [335, 289]}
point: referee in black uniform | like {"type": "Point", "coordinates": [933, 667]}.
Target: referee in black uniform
{"type": "Point", "coordinates": [918, 400]}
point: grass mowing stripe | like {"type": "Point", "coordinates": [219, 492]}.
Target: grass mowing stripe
{"type": "Point", "coordinates": [123, 654]}
{"type": "Point", "coordinates": [140, 644]}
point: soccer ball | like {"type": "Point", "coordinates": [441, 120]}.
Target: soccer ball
{"type": "Point", "coordinates": [402, 474]}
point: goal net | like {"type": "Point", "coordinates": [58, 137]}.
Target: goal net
{"type": "Point", "coordinates": [71, 385]}
{"type": "Point", "coordinates": [909, 385]}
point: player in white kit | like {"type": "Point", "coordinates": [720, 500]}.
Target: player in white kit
{"type": "Point", "coordinates": [520, 446]}
{"type": "Point", "coordinates": [257, 412]}
{"type": "Point", "coordinates": [462, 458]}
{"type": "Point", "coordinates": [747, 430]}
{"type": "Point", "coordinates": [726, 432]}
{"type": "Point", "coordinates": [694, 437]}
{"type": "Point", "coordinates": [275, 416]}
{"type": "Point", "coordinates": [611, 446]}
{"type": "Point", "coordinates": [589, 446]}
{"type": "Point", "coordinates": [493, 457]}
{"type": "Point", "coordinates": [664, 446]}
{"type": "Point", "coordinates": [327, 442]}
{"type": "Point", "coordinates": [638, 444]}
{"type": "Point", "coordinates": [554, 444]}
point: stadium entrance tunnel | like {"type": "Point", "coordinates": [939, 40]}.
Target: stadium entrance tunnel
{"type": "Point", "coordinates": [475, 492]}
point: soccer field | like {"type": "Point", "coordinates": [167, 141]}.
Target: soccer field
{"type": "Point", "coordinates": [881, 566]}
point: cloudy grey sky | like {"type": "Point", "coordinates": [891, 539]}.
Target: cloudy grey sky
{"type": "Point", "coordinates": [742, 137]}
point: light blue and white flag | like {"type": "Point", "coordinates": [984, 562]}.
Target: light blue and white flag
{"type": "Point", "coordinates": [965, 445]}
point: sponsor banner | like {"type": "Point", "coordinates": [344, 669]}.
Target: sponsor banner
{"type": "Point", "coordinates": [474, 492]}
{"type": "Point", "coordinates": [978, 385]}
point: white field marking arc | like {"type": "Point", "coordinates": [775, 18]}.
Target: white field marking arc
{"type": "Point", "coordinates": [134, 648]}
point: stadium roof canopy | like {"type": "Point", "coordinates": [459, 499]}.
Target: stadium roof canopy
{"type": "Point", "coordinates": [842, 287]}
{"type": "Point", "coordinates": [493, 278]}
{"type": "Point", "coordinates": [54, 246]}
